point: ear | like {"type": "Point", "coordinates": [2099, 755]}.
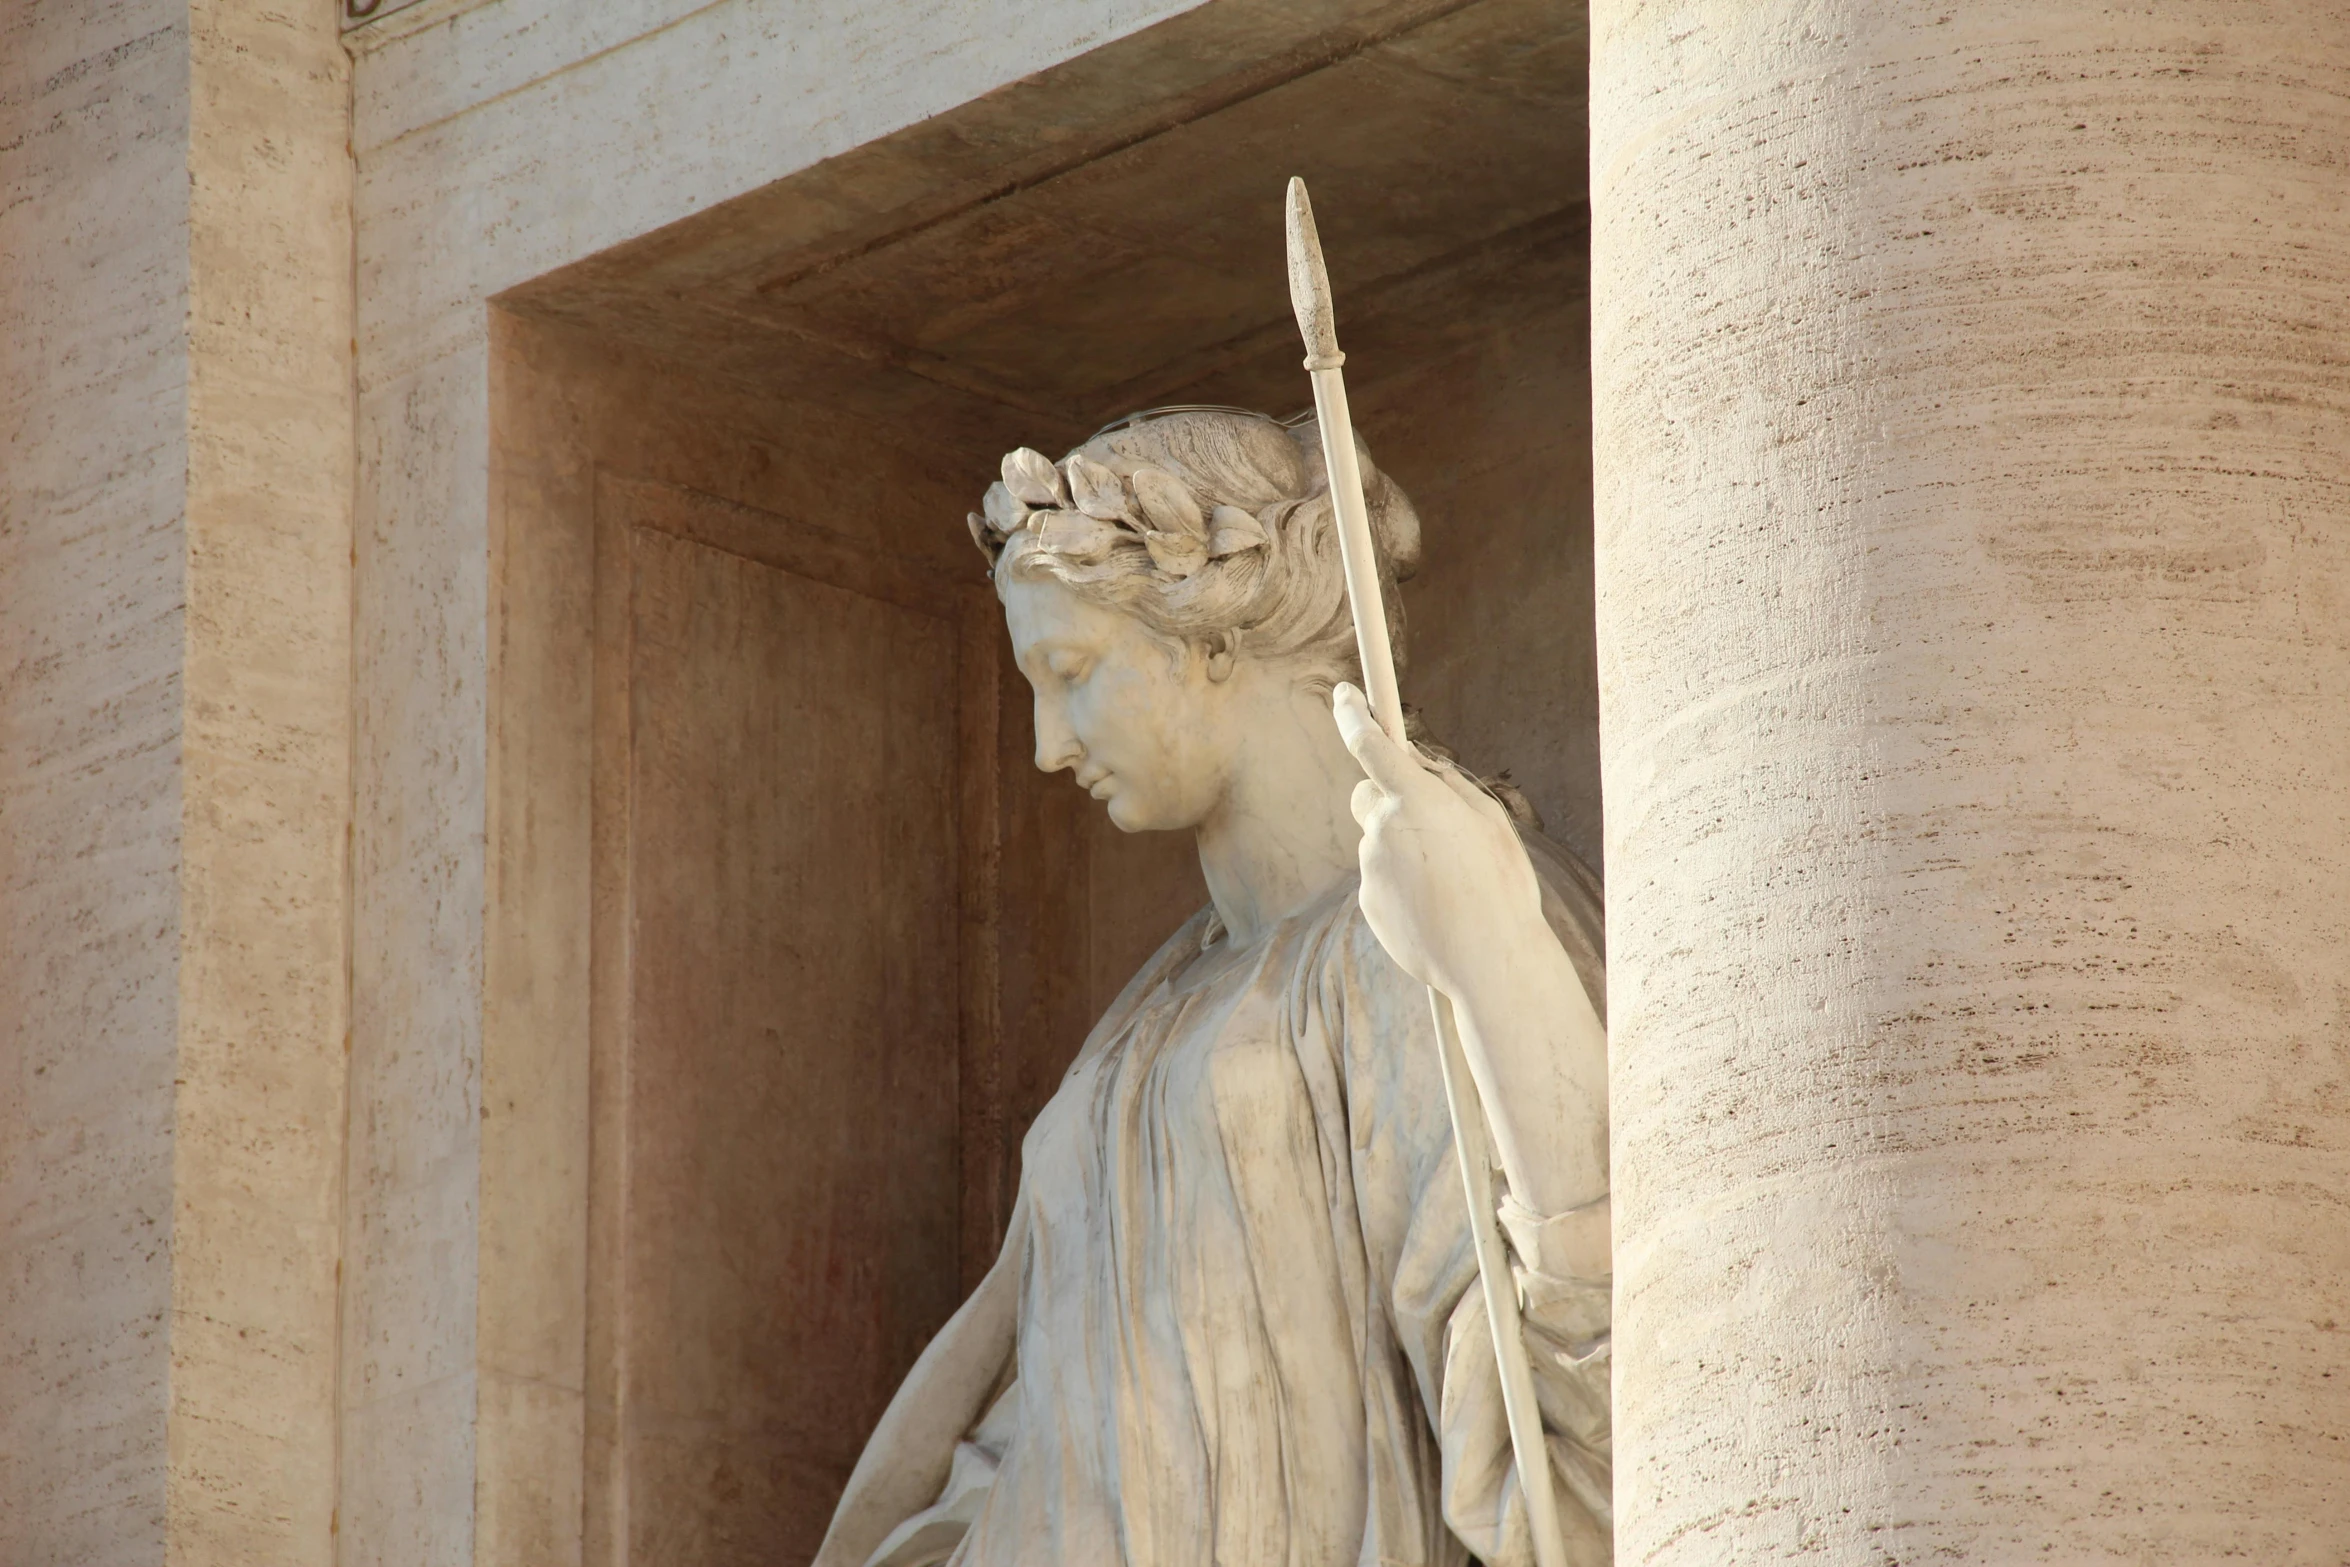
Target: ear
{"type": "Point", "coordinates": [1221, 651]}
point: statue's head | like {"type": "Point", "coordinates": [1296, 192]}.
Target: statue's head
{"type": "Point", "coordinates": [1172, 586]}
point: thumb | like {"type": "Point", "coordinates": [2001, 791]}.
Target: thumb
{"type": "Point", "coordinates": [1387, 764]}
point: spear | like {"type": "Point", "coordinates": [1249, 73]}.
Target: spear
{"type": "Point", "coordinates": [1309, 294]}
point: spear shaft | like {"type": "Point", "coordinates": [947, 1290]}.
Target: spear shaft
{"type": "Point", "coordinates": [1309, 293]}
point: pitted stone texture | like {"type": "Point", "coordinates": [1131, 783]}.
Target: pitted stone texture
{"type": "Point", "coordinates": [1973, 459]}
{"type": "Point", "coordinates": [259, 1121]}
{"type": "Point", "coordinates": [93, 462]}
{"type": "Point", "coordinates": [174, 719]}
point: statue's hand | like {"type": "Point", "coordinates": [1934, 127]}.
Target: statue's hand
{"type": "Point", "coordinates": [1447, 886]}
{"type": "Point", "coordinates": [1452, 897]}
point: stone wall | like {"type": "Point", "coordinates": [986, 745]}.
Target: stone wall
{"type": "Point", "coordinates": [265, 787]}
{"type": "Point", "coordinates": [174, 564]}
{"type": "Point", "coordinates": [680, 1109]}
{"type": "Point", "coordinates": [93, 472]}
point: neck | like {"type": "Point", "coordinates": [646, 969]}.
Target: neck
{"type": "Point", "coordinates": [1284, 833]}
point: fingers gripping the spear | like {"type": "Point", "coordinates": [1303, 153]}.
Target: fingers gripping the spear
{"type": "Point", "coordinates": [1440, 857]}
{"type": "Point", "coordinates": [1393, 774]}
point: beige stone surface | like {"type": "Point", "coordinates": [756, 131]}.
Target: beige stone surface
{"type": "Point", "coordinates": [539, 999]}
{"type": "Point", "coordinates": [1974, 614]}
{"type": "Point", "coordinates": [93, 464]}
{"type": "Point", "coordinates": [258, 1138]}
{"type": "Point", "coordinates": [793, 736]}
{"type": "Point", "coordinates": [584, 1157]}
{"type": "Point", "coordinates": [174, 772]}
{"type": "Point", "coordinates": [418, 628]}
{"type": "Point", "coordinates": [1493, 442]}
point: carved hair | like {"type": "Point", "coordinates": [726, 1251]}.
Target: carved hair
{"type": "Point", "coordinates": [1212, 522]}
{"type": "Point", "coordinates": [1202, 523]}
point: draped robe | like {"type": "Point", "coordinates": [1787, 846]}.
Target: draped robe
{"type": "Point", "coordinates": [1249, 1330]}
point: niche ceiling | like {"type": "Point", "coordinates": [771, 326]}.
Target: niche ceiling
{"type": "Point", "coordinates": [1107, 233]}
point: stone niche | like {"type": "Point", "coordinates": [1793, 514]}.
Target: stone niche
{"type": "Point", "coordinates": [788, 940]}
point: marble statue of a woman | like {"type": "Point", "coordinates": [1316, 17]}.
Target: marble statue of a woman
{"type": "Point", "coordinates": [1236, 1319]}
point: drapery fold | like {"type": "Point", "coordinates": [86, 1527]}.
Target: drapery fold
{"type": "Point", "coordinates": [1250, 1330]}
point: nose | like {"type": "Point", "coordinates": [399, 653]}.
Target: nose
{"type": "Point", "coordinates": [1056, 743]}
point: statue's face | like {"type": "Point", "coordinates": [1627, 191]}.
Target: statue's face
{"type": "Point", "coordinates": [1146, 724]}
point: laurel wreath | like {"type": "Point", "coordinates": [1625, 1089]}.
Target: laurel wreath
{"type": "Point", "coordinates": [1082, 510]}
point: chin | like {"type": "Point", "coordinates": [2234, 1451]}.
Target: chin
{"type": "Point", "coordinates": [1128, 814]}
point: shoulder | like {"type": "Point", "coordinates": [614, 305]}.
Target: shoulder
{"type": "Point", "coordinates": [1175, 952]}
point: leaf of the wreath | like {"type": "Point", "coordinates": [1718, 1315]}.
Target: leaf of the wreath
{"type": "Point", "coordinates": [1098, 491]}
{"type": "Point", "coordinates": [1167, 505]}
{"type": "Point", "coordinates": [1004, 512]}
{"type": "Point", "coordinates": [1076, 536]}
{"type": "Point", "coordinates": [1231, 530]}
{"type": "Point", "coordinates": [1031, 477]}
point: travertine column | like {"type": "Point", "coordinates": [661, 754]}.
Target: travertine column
{"type": "Point", "coordinates": [1973, 488]}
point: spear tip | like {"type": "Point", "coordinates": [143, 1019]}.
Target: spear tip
{"type": "Point", "coordinates": [1309, 283]}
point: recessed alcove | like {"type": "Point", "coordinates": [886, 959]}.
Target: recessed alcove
{"type": "Point", "coordinates": [761, 795]}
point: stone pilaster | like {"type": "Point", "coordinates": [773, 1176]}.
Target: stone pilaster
{"type": "Point", "coordinates": [265, 761]}
{"type": "Point", "coordinates": [175, 567]}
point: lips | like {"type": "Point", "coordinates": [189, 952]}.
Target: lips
{"type": "Point", "coordinates": [1093, 780]}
